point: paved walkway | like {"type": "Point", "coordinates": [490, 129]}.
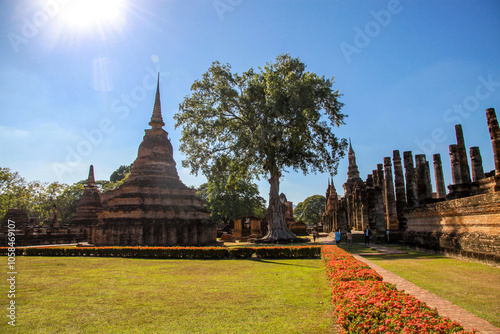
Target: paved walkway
{"type": "Point", "coordinates": [444, 307]}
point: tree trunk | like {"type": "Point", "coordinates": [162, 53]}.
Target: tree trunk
{"type": "Point", "coordinates": [277, 227]}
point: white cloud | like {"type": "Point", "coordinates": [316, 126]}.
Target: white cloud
{"type": "Point", "coordinates": [8, 133]}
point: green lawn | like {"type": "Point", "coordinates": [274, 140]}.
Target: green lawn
{"type": "Point", "coordinates": [116, 295]}
{"type": "Point", "coordinates": [470, 285]}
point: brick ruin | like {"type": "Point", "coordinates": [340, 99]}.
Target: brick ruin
{"type": "Point", "coordinates": [252, 227]}
{"type": "Point", "coordinates": [32, 231]}
{"type": "Point", "coordinates": [464, 221]}
{"type": "Point", "coordinates": [152, 207]}
{"type": "Point", "coordinates": [89, 207]}
{"type": "Point", "coordinates": [299, 228]}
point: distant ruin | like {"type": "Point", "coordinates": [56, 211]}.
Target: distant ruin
{"type": "Point", "coordinates": [466, 221]}
{"type": "Point", "coordinates": [252, 227]}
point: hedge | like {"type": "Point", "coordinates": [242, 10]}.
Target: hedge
{"type": "Point", "coordinates": [172, 252]}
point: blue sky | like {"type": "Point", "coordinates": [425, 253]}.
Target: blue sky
{"type": "Point", "coordinates": [79, 90]}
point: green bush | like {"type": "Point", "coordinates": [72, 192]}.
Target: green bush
{"type": "Point", "coordinates": [299, 252]}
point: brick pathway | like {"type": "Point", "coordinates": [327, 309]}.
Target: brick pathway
{"type": "Point", "coordinates": [444, 307]}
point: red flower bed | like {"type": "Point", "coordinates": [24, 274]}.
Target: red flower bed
{"type": "Point", "coordinates": [365, 304]}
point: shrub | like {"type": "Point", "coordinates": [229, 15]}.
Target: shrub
{"type": "Point", "coordinates": [299, 252]}
{"type": "Point", "coordinates": [172, 252]}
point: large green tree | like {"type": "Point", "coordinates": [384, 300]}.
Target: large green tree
{"type": "Point", "coordinates": [310, 210]}
{"type": "Point", "coordinates": [267, 121]}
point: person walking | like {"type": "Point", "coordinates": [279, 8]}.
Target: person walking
{"type": "Point", "coordinates": [337, 237]}
{"type": "Point", "coordinates": [314, 235]}
{"type": "Point", "coordinates": [349, 239]}
{"type": "Point", "coordinates": [367, 236]}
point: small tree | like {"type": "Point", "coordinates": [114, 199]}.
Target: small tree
{"type": "Point", "coordinates": [229, 202]}
{"type": "Point", "coordinates": [310, 210]}
{"type": "Point", "coordinates": [120, 173]}
{"type": "Point", "coordinates": [265, 122]}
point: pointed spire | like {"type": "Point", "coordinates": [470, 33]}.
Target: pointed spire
{"type": "Point", "coordinates": [334, 191]}
{"type": "Point", "coordinates": [352, 169]}
{"type": "Point", "coordinates": [91, 179]}
{"type": "Point", "coordinates": [157, 120]}
{"type": "Point", "coordinates": [351, 151]}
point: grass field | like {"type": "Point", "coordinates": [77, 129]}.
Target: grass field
{"type": "Point", "coordinates": [470, 285]}
{"type": "Point", "coordinates": [116, 295]}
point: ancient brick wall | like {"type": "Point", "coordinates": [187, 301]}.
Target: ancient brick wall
{"type": "Point", "coordinates": [467, 226]}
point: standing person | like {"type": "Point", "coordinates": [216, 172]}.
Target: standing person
{"type": "Point", "coordinates": [314, 235]}
{"type": "Point", "coordinates": [367, 236]}
{"type": "Point", "coordinates": [349, 239]}
{"type": "Point", "coordinates": [337, 237]}
{"type": "Point", "coordinates": [387, 233]}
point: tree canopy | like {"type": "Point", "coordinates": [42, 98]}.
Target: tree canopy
{"type": "Point", "coordinates": [266, 122]}
{"type": "Point", "coordinates": [37, 198]}
{"type": "Point", "coordinates": [310, 210]}
{"type": "Point", "coordinates": [231, 200]}
{"type": "Point", "coordinates": [120, 173]}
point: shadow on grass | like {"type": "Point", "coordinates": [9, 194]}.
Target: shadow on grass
{"type": "Point", "coordinates": [373, 254]}
{"type": "Point", "coordinates": [270, 261]}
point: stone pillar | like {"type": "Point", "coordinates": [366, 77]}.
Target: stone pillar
{"type": "Point", "coordinates": [494, 129]}
{"type": "Point", "coordinates": [390, 202]}
{"type": "Point", "coordinates": [438, 175]}
{"type": "Point", "coordinates": [476, 163]}
{"type": "Point", "coordinates": [462, 155]}
{"type": "Point", "coordinates": [358, 209]}
{"type": "Point", "coordinates": [424, 187]}
{"type": "Point", "coordinates": [411, 181]}
{"type": "Point", "coordinates": [369, 180]}
{"type": "Point", "coordinates": [399, 182]}
{"type": "Point", "coordinates": [380, 175]}
{"type": "Point", "coordinates": [456, 177]}
{"type": "Point", "coordinates": [375, 177]}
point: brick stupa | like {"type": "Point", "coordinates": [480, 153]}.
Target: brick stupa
{"type": "Point", "coordinates": [153, 207]}
{"type": "Point", "coordinates": [90, 206]}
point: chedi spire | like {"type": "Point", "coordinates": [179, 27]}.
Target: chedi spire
{"type": "Point", "coordinates": [157, 119]}
{"type": "Point", "coordinates": [352, 172]}
{"type": "Point", "coordinates": [91, 179]}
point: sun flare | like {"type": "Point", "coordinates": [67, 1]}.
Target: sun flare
{"type": "Point", "coordinates": [88, 14]}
